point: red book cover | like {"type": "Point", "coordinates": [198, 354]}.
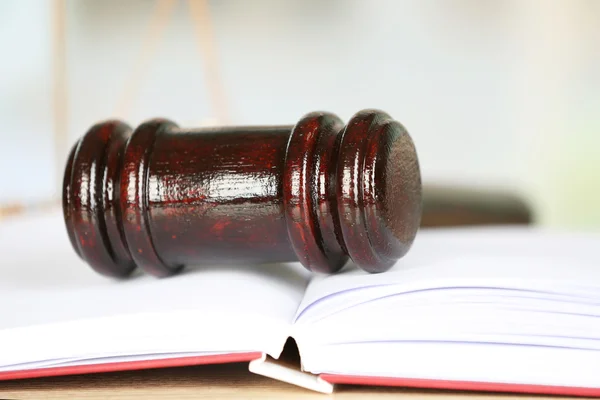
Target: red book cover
{"type": "Point", "coordinates": [130, 365]}
{"type": "Point", "coordinates": [462, 385]}
{"type": "Point", "coordinates": [293, 377]}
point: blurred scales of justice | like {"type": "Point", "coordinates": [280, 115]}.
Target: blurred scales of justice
{"type": "Point", "coordinates": [442, 206]}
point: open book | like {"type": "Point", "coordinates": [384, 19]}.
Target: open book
{"type": "Point", "coordinates": [513, 309]}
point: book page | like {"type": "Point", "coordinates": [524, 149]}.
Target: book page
{"type": "Point", "coordinates": [494, 257]}
{"type": "Point", "coordinates": [478, 294]}
{"type": "Point", "coordinates": [55, 309]}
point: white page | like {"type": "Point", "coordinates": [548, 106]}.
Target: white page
{"type": "Point", "coordinates": [471, 362]}
{"type": "Point", "coordinates": [489, 257]}
{"type": "Point", "coordinates": [473, 292]}
{"type": "Point", "coordinates": [53, 306]}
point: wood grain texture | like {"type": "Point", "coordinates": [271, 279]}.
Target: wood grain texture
{"type": "Point", "coordinates": [160, 197]}
{"type": "Point", "coordinates": [229, 381]}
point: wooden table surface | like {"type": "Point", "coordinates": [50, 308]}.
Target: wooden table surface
{"type": "Point", "coordinates": [225, 381]}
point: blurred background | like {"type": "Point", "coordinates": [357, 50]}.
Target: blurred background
{"type": "Point", "coordinates": [502, 98]}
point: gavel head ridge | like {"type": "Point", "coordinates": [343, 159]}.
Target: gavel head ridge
{"type": "Point", "coordinates": [321, 192]}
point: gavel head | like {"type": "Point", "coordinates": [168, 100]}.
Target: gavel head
{"type": "Point", "coordinates": [320, 192]}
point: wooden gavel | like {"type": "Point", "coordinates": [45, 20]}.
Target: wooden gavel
{"type": "Point", "coordinates": [162, 197]}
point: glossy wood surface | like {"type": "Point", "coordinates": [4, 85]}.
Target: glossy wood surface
{"type": "Point", "coordinates": [160, 197]}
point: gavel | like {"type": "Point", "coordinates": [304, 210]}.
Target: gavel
{"type": "Point", "coordinates": [321, 192]}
